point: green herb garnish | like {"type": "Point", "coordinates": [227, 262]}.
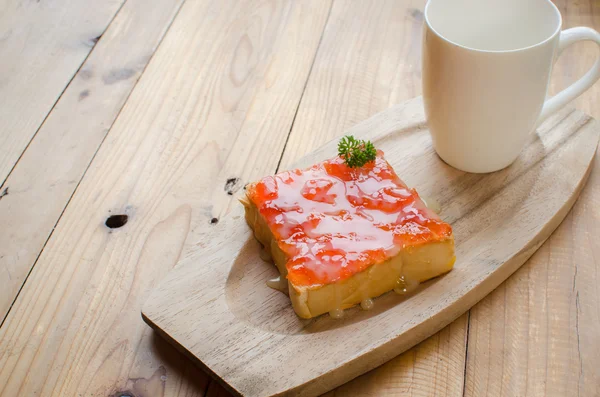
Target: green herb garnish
{"type": "Point", "coordinates": [355, 152]}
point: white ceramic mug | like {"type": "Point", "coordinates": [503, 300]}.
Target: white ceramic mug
{"type": "Point", "coordinates": [486, 70]}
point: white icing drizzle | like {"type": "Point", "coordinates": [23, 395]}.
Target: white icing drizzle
{"type": "Point", "coordinates": [279, 284]}
{"type": "Point", "coordinates": [405, 286]}
{"type": "Point", "coordinates": [337, 313]}
{"type": "Point", "coordinates": [367, 304]}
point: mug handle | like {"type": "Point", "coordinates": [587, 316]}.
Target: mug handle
{"type": "Point", "coordinates": [568, 37]}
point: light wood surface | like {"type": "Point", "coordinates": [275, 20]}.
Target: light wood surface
{"type": "Point", "coordinates": [41, 184]}
{"type": "Point", "coordinates": [242, 331]}
{"type": "Point", "coordinates": [42, 45]}
{"type": "Point", "coordinates": [378, 68]}
{"type": "Point", "coordinates": [238, 78]}
{"type": "Point", "coordinates": [537, 334]}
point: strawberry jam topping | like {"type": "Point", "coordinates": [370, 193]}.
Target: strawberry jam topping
{"type": "Point", "coordinates": [333, 221]}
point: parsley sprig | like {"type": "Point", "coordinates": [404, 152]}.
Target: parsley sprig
{"type": "Point", "coordinates": [356, 152]}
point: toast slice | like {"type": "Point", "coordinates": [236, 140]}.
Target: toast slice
{"type": "Point", "coordinates": [342, 236]}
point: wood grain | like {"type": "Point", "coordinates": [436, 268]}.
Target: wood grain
{"type": "Point", "coordinates": [226, 80]}
{"type": "Point", "coordinates": [433, 367]}
{"type": "Point", "coordinates": [41, 184]}
{"type": "Point", "coordinates": [37, 31]}
{"type": "Point", "coordinates": [42, 44]}
{"type": "Point", "coordinates": [369, 60]}
{"type": "Point", "coordinates": [537, 334]}
{"type": "Point", "coordinates": [577, 59]}
{"type": "Point", "coordinates": [215, 304]}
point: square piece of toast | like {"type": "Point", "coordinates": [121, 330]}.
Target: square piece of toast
{"type": "Point", "coordinates": [342, 235]}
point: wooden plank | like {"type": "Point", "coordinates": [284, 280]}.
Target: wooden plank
{"type": "Point", "coordinates": [42, 45]}
{"type": "Point", "coordinates": [225, 81]}
{"type": "Point", "coordinates": [369, 60]}
{"type": "Point", "coordinates": [577, 59]}
{"type": "Point", "coordinates": [44, 180]}
{"type": "Point", "coordinates": [243, 331]}
{"type": "Point", "coordinates": [431, 368]}
{"type": "Point", "coordinates": [537, 334]}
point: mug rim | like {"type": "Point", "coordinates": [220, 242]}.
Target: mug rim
{"type": "Point", "coordinates": [464, 47]}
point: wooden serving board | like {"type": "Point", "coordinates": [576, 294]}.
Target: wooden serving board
{"type": "Point", "coordinates": [216, 307]}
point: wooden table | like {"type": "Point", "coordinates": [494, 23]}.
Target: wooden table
{"type": "Point", "coordinates": [156, 109]}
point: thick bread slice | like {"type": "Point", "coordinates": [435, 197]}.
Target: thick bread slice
{"type": "Point", "coordinates": [415, 263]}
